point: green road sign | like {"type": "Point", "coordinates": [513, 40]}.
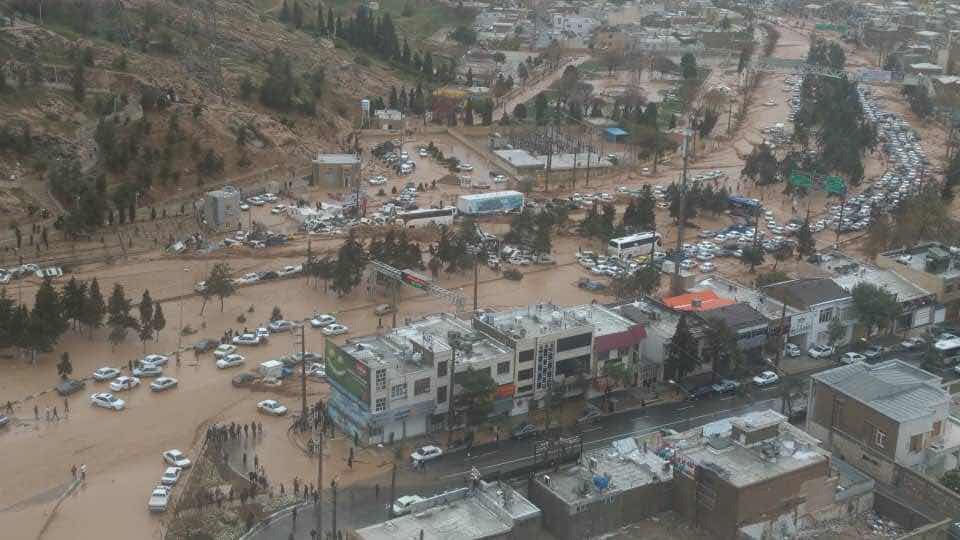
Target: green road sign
{"type": "Point", "coordinates": [801, 180]}
{"type": "Point", "coordinates": [834, 184]}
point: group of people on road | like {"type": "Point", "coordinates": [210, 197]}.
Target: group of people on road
{"type": "Point", "coordinates": [50, 414]}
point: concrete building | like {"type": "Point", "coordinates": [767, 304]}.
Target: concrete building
{"type": "Point", "coordinates": [605, 490]}
{"type": "Point", "coordinates": [917, 305]}
{"type": "Point", "coordinates": [483, 511]}
{"type": "Point", "coordinates": [336, 171]}
{"type": "Point", "coordinates": [746, 476]}
{"type": "Point", "coordinates": [389, 119]}
{"type": "Point", "coordinates": [818, 301]}
{"type": "Point", "coordinates": [885, 414]}
{"type": "Point", "coordinates": [397, 385]}
{"type": "Point", "coordinates": [932, 267]}
{"type": "Point", "coordinates": [221, 208]}
{"type": "Point", "coordinates": [659, 323]}
{"type": "Point", "coordinates": [748, 324]}
{"type": "Point", "coordinates": [616, 340]}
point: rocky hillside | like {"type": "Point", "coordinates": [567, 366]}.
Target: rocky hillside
{"type": "Point", "coordinates": [163, 97]}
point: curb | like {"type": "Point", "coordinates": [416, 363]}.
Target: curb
{"type": "Point", "coordinates": [266, 522]}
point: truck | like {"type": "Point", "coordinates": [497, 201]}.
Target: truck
{"type": "Point", "coordinates": [494, 202]}
{"type": "Point", "coordinates": [271, 369]}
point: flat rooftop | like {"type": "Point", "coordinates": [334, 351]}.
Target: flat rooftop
{"type": "Point", "coordinates": [605, 321]}
{"type": "Point", "coordinates": [388, 349]}
{"type": "Point", "coordinates": [625, 465]}
{"type": "Point", "coordinates": [770, 307]}
{"type": "Point", "coordinates": [564, 162]}
{"type": "Point", "coordinates": [337, 159]}
{"type": "Point", "coordinates": [520, 159]}
{"type": "Point", "coordinates": [534, 321]}
{"type": "Point", "coordinates": [917, 256]}
{"type": "Point", "coordinates": [849, 272]}
{"type": "Point", "coordinates": [464, 514]}
{"type": "Point", "coordinates": [711, 447]}
{"type": "Point", "coordinates": [434, 330]}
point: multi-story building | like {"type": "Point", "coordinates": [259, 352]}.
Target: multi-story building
{"type": "Point", "coordinates": [396, 385]}
{"type": "Point", "coordinates": [819, 302]}
{"type": "Point", "coordinates": [336, 171]}
{"type": "Point", "coordinates": [221, 208]}
{"type": "Point", "coordinates": [746, 476]}
{"type": "Point", "coordinates": [932, 267]}
{"type": "Point", "coordinates": [885, 414]}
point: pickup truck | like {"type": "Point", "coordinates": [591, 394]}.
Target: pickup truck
{"type": "Point", "coordinates": [158, 499]}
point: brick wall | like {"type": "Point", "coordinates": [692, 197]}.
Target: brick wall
{"type": "Point", "coordinates": [928, 491]}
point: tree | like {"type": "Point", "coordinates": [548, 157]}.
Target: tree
{"type": "Point", "coordinates": [682, 355]}
{"type": "Point", "coordinates": [159, 321]}
{"type": "Point", "coordinates": [146, 319]}
{"type": "Point", "coordinates": [688, 66]}
{"type": "Point", "coordinates": [752, 256]}
{"type": "Point", "coordinates": [94, 308]}
{"type": "Point", "coordinates": [836, 332]}
{"type": "Point", "coordinates": [219, 284]}
{"type": "Point", "coordinates": [761, 165]}
{"type": "Point", "coordinates": [118, 315]}
{"type": "Point", "coordinates": [769, 278]}
{"type": "Point", "coordinates": [64, 366]}
{"type": "Point", "coordinates": [951, 480]}
{"type": "Point", "coordinates": [520, 111]}
{"type": "Point", "coordinates": [474, 392]}
{"type": "Point", "coordinates": [348, 268]}
{"type": "Point", "coordinates": [74, 296]}
{"type": "Point", "coordinates": [640, 214]}
{"type": "Point", "coordinates": [47, 322]}
{"type": "Point", "coordinates": [276, 314]}
{"type": "Point", "coordinates": [874, 306]}
{"type": "Point", "coordinates": [806, 243]}
{"type": "Point", "coordinates": [644, 281]}
{"type": "Point", "coordinates": [540, 108]}
{"type": "Point", "coordinates": [464, 35]}
{"type": "Point", "coordinates": [720, 348]}
{"type": "Point", "coordinates": [617, 373]}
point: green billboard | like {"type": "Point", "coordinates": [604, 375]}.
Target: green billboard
{"type": "Point", "coordinates": [346, 372]}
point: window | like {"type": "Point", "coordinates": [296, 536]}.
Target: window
{"type": "Point", "coordinates": [441, 369]}
{"type": "Point", "coordinates": [879, 438]}
{"type": "Point", "coordinates": [937, 426]}
{"type": "Point", "coordinates": [574, 342]}
{"type": "Point", "coordinates": [525, 389]}
{"type": "Point", "coordinates": [916, 443]}
{"type": "Point", "coordinates": [525, 374]}
{"type": "Point", "coordinates": [442, 394]}
{"type": "Point", "coordinates": [826, 315]}
{"type": "Point", "coordinates": [503, 368]}
{"type": "Point", "coordinates": [526, 356]}
{"type": "Point", "coordinates": [381, 405]}
{"type": "Point", "coordinates": [381, 380]}
{"type": "Point", "coordinates": [421, 387]}
{"type": "Point", "coordinates": [399, 391]}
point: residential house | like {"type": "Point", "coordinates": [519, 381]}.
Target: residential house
{"type": "Point", "coordinates": [820, 301]}
{"type": "Point", "coordinates": [933, 267]}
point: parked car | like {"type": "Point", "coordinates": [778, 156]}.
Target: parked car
{"type": "Point", "coordinates": [107, 401]}
{"type": "Point", "coordinates": [155, 359]}
{"type": "Point", "coordinates": [176, 458]}
{"type": "Point", "coordinates": [383, 309]}
{"type": "Point", "coordinates": [70, 386]}
{"type": "Point", "coordinates": [820, 351]}
{"type": "Point", "coordinates": [766, 378]}
{"type": "Point", "coordinates": [243, 379]}
{"type": "Point", "coordinates": [874, 352]}
{"type": "Point", "coordinates": [280, 326]}
{"type": "Point", "coordinates": [231, 360]}
{"type": "Point", "coordinates": [205, 345]}
{"type": "Point", "coordinates": [791, 350]}
{"type": "Point", "coordinates": [224, 350]}
{"type": "Point", "coordinates": [334, 329]}
{"type": "Point", "coordinates": [321, 320]}
{"type": "Point", "coordinates": [699, 392]}
{"type": "Point", "coordinates": [170, 476]}
{"type": "Point", "coordinates": [912, 343]}
{"type": "Point", "coordinates": [523, 430]}
{"type": "Point", "coordinates": [426, 453]}
{"type": "Point", "coordinates": [272, 407]}
{"type": "Point", "coordinates": [402, 505]}
{"type": "Point", "coordinates": [158, 499]}
{"type": "Point", "coordinates": [124, 383]}
{"type": "Point", "coordinates": [247, 339]}
{"type": "Point", "coordinates": [144, 371]}
{"type": "Point", "coordinates": [726, 386]}
{"type": "Point", "coordinates": [589, 415]}
{"type": "Point", "coordinates": [852, 357]}
{"type": "Point", "coordinates": [317, 370]}
{"type": "Point", "coordinates": [106, 373]}
{"type": "Point", "coordinates": [163, 383]}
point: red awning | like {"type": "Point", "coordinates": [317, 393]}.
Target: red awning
{"type": "Point", "coordinates": [620, 340]}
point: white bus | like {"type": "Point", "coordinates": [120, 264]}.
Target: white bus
{"type": "Point", "coordinates": [414, 219]}
{"type": "Point", "coordinates": [644, 243]}
{"type": "Point", "coordinates": [948, 351]}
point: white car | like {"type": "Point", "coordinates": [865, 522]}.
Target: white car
{"type": "Point", "coordinates": [791, 350]}
{"type": "Point", "coordinates": [107, 401]}
{"type": "Point", "coordinates": [224, 350]}
{"type": "Point", "coordinates": [317, 371]}
{"type": "Point", "coordinates": [426, 453]}
{"type": "Point", "coordinates": [465, 167]}
{"type": "Point", "coordinates": [176, 458]}
{"type": "Point", "coordinates": [272, 407]}
{"type": "Point", "coordinates": [321, 320]}
{"type": "Point", "coordinates": [766, 378]}
{"type": "Point", "coordinates": [912, 343]}
{"type": "Point", "coordinates": [707, 267]}
{"type": "Point", "coordinates": [377, 180]}
{"type": "Point", "coordinates": [820, 351]}
{"type": "Point", "coordinates": [106, 373]}
{"type": "Point", "coordinates": [334, 329]}
{"type": "Point", "coordinates": [124, 383]}
{"type": "Point", "coordinates": [402, 505]}
{"type": "Point", "coordinates": [155, 359]}
{"type": "Point", "coordinates": [246, 339]}
{"type": "Point", "coordinates": [280, 326]}
{"type": "Point", "coordinates": [244, 207]}
{"type": "Point", "coordinates": [278, 209]}
{"type": "Point", "coordinates": [158, 499]}
{"type": "Point", "coordinates": [170, 476]}
{"type": "Point", "coordinates": [423, 152]}
{"type": "Point", "coordinates": [148, 370]}
{"type": "Point", "coordinates": [851, 357]}
{"type": "Point", "coordinates": [163, 383]}
{"type": "Point", "coordinates": [231, 360]}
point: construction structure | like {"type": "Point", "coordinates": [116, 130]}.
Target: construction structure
{"type": "Point", "coordinates": [221, 208]}
{"type": "Point", "coordinates": [335, 171]}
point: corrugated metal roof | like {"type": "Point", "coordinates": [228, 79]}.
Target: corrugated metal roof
{"type": "Point", "coordinates": [893, 388]}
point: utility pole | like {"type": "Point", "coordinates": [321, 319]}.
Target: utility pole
{"type": "Point", "coordinates": [676, 285]}
{"type": "Point", "coordinates": [318, 443]}
{"type": "Point", "coordinates": [546, 181]}
{"type": "Point", "coordinates": [303, 377]}
{"type": "Point", "coordinates": [476, 280]}
{"type": "Point", "coordinates": [393, 489]}
{"type": "Point", "coordinates": [333, 485]}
